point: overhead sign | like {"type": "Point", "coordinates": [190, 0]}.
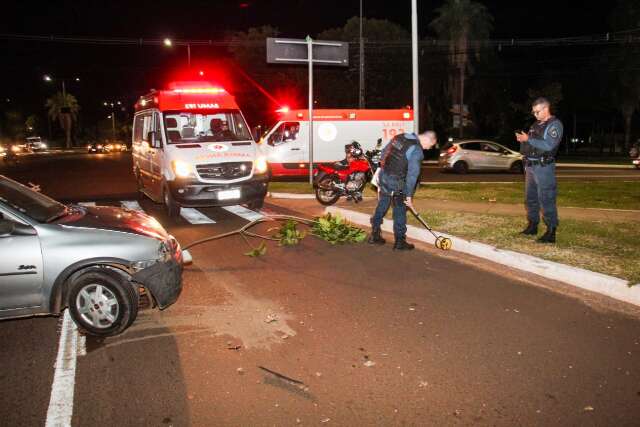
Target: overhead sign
{"type": "Point", "coordinates": [295, 51]}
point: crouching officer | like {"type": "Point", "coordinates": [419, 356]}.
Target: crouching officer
{"type": "Point", "coordinates": [401, 165]}
{"type": "Point", "coordinates": [539, 148]}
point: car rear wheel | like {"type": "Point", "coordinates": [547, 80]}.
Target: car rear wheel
{"type": "Point", "coordinates": [102, 302]}
{"type": "Point", "coordinates": [172, 207]}
{"type": "Point", "coordinates": [461, 167]}
{"type": "Point", "coordinates": [516, 167]}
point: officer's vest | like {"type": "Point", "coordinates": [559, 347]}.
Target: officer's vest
{"type": "Point", "coordinates": [538, 131]}
{"type": "Point", "coordinates": [395, 161]}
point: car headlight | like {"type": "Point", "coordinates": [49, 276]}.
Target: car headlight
{"type": "Point", "coordinates": [15, 148]}
{"type": "Point", "coordinates": [99, 146]}
{"type": "Point", "coordinates": [181, 169]}
{"type": "Point", "coordinates": [260, 165]}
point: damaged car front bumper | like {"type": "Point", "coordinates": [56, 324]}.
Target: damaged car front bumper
{"type": "Point", "coordinates": [163, 277]}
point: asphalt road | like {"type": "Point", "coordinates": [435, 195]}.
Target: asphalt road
{"type": "Point", "coordinates": [374, 337]}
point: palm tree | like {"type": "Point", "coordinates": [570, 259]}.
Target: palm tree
{"type": "Point", "coordinates": [462, 23]}
{"type": "Point", "coordinates": [63, 108]}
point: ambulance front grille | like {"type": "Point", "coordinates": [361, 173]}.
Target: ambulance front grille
{"type": "Point", "coordinates": [230, 170]}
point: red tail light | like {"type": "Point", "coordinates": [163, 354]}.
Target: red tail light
{"type": "Point", "coordinates": [452, 150]}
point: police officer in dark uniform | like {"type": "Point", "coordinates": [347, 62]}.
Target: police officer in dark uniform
{"type": "Point", "coordinates": [539, 148]}
{"type": "Point", "coordinates": [401, 165]}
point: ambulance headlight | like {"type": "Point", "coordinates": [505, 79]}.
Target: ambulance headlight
{"type": "Point", "coordinates": [181, 169]}
{"type": "Point", "coordinates": [260, 165]}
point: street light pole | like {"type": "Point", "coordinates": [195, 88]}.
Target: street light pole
{"type": "Point", "coordinates": [361, 92]}
{"type": "Point", "coordinates": [414, 58]}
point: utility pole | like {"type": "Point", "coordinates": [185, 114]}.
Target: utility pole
{"type": "Point", "coordinates": [310, 59]}
{"type": "Point", "coordinates": [414, 56]}
{"type": "Point", "coordinates": [361, 103]}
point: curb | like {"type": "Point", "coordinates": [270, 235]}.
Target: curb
{"type": "Point", "coordinates": [591, 281]}
{"type": "Point", "coordinates": [291, 196]}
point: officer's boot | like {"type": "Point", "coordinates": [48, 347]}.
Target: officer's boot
{"type": "Point", "coordinates": [531, 230]}
{"type": "Point", "coordinates": [402, 245]}
{"type": "Point", "coordinates": [376, 235]}
{"type": "Point", "coordinates": [549, 236]}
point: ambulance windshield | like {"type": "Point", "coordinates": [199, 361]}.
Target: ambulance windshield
{"type": "Point", "coordinates": [209, 126]}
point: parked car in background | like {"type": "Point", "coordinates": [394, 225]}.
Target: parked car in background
{"type": "Point", "coordinates": [96, 147]}
{"type": "Point", "coordinates": [35, 143]}
{"type": "Point", "coordinates": [115, 146]}
{"type": "Point", "coordinates": [97, 261]}
{"type": "Point", "coordinates": [479, 155]}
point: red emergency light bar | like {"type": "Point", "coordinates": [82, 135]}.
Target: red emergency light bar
{"type": "Point", "coordinates": [209, 90]}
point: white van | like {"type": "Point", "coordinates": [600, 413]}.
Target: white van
{"type": "Point", "coordinates": [191, 147]}
{"type": "Point", "coordinates": [286, 144]}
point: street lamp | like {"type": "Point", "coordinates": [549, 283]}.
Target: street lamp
{"type": "Point", "coordinates": [169, 43]}
{"type": "Point", "coordinates": [112, 116]}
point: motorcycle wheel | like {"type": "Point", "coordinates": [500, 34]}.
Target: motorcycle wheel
{"type": "Point", "coordinates": [326, 197]}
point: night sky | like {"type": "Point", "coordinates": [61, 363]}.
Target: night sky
{"type": "Point", "coordinates": [125, 72]}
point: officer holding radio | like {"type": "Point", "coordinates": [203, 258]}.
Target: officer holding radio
{"type": "Point", "coordinates": [539, 147]}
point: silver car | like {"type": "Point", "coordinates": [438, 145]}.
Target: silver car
{"type": "Point", "coordinates": [465, 155]}
{"type": "Point", "coordinates": [97, 261]}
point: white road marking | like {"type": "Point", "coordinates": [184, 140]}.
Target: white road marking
{"type": "Point", "coordinates": [87, 204]}
{"type": "Point", "coordinates": [243, 212]}
{"type": "Point", "coordinates": [61, 402]}
{"type": "Point", "coordinates": [194, 216]}
{"type": "Point", "coordinates": [132, 204]}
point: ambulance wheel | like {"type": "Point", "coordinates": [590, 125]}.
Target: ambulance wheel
{"type": "Point", "coordinates": [255, 205]}
{"type": "Point", "coordinates": [139, 184]}
{"type": "Point", "coordinates": [171, 206]}
{"type": "Point", "coordinates": [324, 196]}
{"type": "Point", "coordinates": [516, 167]}
{"type": "Point", "coordinates": [461, 167]}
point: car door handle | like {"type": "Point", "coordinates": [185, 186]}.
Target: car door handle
{"type": "Point", "coordinates": [295, 149]}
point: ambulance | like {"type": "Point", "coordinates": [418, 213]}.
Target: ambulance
{"type": "Point", "coordinates": [192, 147]}
{"type": "Point", "coordinates": [286, 144]}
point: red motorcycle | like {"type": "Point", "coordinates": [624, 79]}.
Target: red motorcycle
{"type": "Point", "coordinates": [348, 177]}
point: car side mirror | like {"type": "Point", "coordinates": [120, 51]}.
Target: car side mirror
{"type": "Point", "coordinates": [152, 137]}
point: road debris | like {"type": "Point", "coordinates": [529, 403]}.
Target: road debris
{"type": "Point", "coordinates": [240, 371]}
{"type": "Point", "coordinates": [369, 363]}
{"type": "Point", "coordinates": [325, 420]}
{"type": "Point", "coordinates": [588, 408]}
{"type": "Point", "coordinates": [271, 318]}
{"type": "Point", "coordinates": [297, 383]}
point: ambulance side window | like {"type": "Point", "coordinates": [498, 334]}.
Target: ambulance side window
{"type": "Point", "coordinates": [287, 131]}
{"type": "Point", "coordinates": [147, 127]}
{"type": "Point", "coordinates": [138, 125]}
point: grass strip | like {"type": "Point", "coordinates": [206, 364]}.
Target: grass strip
{"type": "Point", "coordinates": [596, 246]}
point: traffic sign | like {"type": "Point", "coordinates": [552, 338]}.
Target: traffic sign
{"type": "Point", "coordinates": [295, 51]}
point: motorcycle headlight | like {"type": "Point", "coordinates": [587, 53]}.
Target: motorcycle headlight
{"type": "Point", "coordinates": [260, 165]}
{"type": "Point", "coordinates": [181, 169]}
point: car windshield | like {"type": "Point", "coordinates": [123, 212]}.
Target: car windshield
{"type": "Point", "coordinates": [29, 202]}
{"type": "Point", "coordinates": [214, 126]}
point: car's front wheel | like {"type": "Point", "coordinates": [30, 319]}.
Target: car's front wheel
{"type": "Point", "coordinates": [102, 302]}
